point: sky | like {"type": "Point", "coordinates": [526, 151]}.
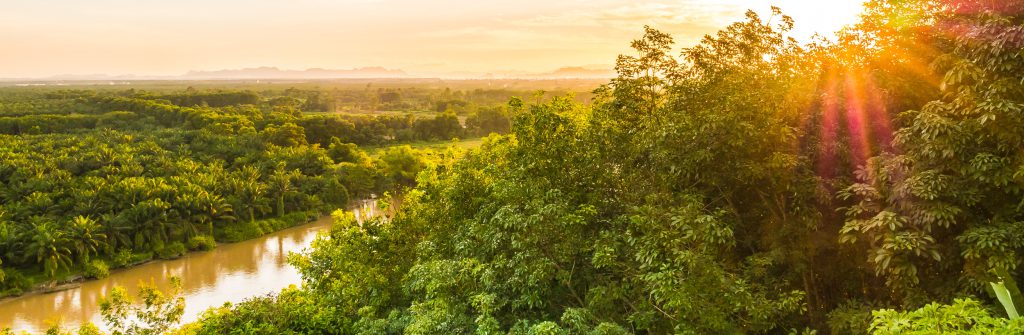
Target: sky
{"type": "Point", "coordinates": [42, 38]}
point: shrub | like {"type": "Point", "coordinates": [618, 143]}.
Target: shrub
{"type": "Point", "coordinates": [97, 269]}
{"type": "Point", "coordinates": [963, 316]}
{"type": "Point", "coordinates": [202, 243]}
{"type": "Point", "coordinates": [12, 292]}
{"type": "Point", "coordinates": [240, 231]}
{"type": "Point", "coordinates": [244, 230]}
{"type": "Point", "coordinates": [122, 257]}
{"type": "Point", "coordinates": [850, 318]}
{"type": "Point", "coordinates": [14, 282]}
{"type": "Point", "coordinates": [171, 251]}
{"type": "Point", "coordinates": [89, 329]}
{"type": "Point", "coordinates": [141, 257]}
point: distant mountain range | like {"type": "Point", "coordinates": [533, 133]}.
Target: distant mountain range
{"type": "Point", "coordinates": [577, 72]}
{"type": "Point", "coordinates": [275, 73]}
{"type": "Point", "coordinates": [267, 72]}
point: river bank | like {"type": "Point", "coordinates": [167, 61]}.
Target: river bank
{"type": "Point", "coordinates": [228, 273]}
{"type": "Point", "coordinates": [74, 276]}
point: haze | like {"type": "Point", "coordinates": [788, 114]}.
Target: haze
{"type": "Point", "coordinates": [150, 37]}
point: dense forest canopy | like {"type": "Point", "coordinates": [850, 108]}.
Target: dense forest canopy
{"type": "Point", "coordinates": [750, 184]}
{"type": "Point", "coordinates": [95, 178]}
{"type": "Point", "coordinates": [871, 183]}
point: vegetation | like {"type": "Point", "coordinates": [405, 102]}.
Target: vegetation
{"type": "Point", "coordinates": [964, 316]}
{"type": "Point", "coordinates": [753, 184]}
{"type": "Point", "coordinates": [91, 177]}
{"type": "Point", "coordinates": [157, 312]}
{"type": "Point", "coordinates": [97, 269]}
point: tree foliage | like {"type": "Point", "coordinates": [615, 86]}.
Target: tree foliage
{"type": "Point", "coordinates": [751, 184]}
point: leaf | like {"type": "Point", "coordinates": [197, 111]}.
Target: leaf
{"type": "Point", "coordinates": [1004, 298]}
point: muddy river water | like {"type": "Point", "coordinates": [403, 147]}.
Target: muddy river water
{"type": "Point", "coordinates": [229, 273]}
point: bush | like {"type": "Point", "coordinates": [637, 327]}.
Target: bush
{"type": "Point", "coordinates": [850, 318]}
{"type": "Point", "coordinates": [15, 283]}
{"type": "Point", "coordinates": [89, 329]}
{"type": "Point", "coordinates": [244, 230]}
{"type": "Point", "coordinates": [202, 243]}
{"type": "Point", "coordinates": [97, 269]}
{"type": "Point", "coordinates": [964, 316]}
{"type": "Point", "coordinates": [171, 251]}
{"type": "Point", "coordinates": [122, 257]}
{"type": "Point", "coordinates": [290, 311]}
{"type": "Point", "coordinates": [240, 231]}
{"type": "Point", "coordinates": [140, 257]}
{"type": "Point", "coordinates": [12, 292]}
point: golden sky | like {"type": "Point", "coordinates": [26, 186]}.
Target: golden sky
{"type": "Point", "coordinates": [171, 37]}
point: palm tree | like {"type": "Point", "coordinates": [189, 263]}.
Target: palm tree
{"type": "Point", "coordinates": [216, 209]}
{"type": "Point", "coordinates": [188, 202]}
{"type": "Point", "coordinates": [87, 236]}
{"type": "Point", "coordinates": [8, 238]}
{"type": "Point", "coordinates": [281, 184]}
{"type": "Point", "coordinates": [184, 223]}
{"type": "Point", "coordinates": [249, 189]}
{"type": "Point", "coordinates": [49, 245]}
{"type": "Point", "coordinates": [151, 220]}
{"type": "Point", "coordinates": [116, 230]}
{"type": "Point", "coordinates": [196, 206]}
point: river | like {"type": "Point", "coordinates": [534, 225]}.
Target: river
{"type": "Point", "coordinates": [229, 273]}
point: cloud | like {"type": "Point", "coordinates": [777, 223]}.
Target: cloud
{"type": "Point", "coordinates": [161, 37]}
{"type": "Point", "coordinates": [611, 23]}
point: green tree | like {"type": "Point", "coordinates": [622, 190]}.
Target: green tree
{"type": "Point", "coordinates": [49, 246]}
{"type": "Point", "coordinates": [87, 236]}
{"type": "Point", "coordinates": [281, 185]}
{"type": "Point", "coordinates": [489, 120]}
{"type": "Point", "coordinates": [250, 191]}
{"type": "Point", "coordinates": [346, 152]}
{"type": "Point", "coordinates": [399, 165]}
{"type": "Point", "coordinates": [946, 203]}
{"type": "Point", "coordinates": [157, 312]}
{"type": "Point", "coordinates": [285, 135]}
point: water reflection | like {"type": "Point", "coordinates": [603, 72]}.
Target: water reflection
{"type": "Point", "coordinates": [229, 273]}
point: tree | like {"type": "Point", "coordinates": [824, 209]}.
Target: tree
{"type": "Point", "coordinates": [281, 186]}
{"type": "Point", "coordinates": [443, 126]}
{"type": "Point", "coordinates": [250, 191]}
{"type": "Point", "coordinates": [285, 135]}
{"type": "Point", "coordinates": [87, 236]}
{"type": "Point", "coordinates": [489, 120]}
{"type": "Point", "coordinates": [215, 210]}
{"type": "Point", "coordinates": [945, 203]}
{"type": "Point", "coordinates": [49, 246]}
{"type": "Point", "coordinates": [399, 165]}
{"type": "Point", "coordinates": [346, 152]}
{"type": "Point", "coordinates": [158, 312]}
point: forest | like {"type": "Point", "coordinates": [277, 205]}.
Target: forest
{"type": "Point", "coordinates": [94, 179]}
{"type": "Point", "coordinates": [871, 183]}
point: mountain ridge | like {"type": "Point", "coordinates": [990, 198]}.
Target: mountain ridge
{"type": "Point", "coordinates": [369, 72]}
